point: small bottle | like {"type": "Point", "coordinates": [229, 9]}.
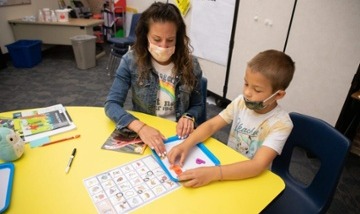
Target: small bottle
{"type": "Point", "coordinates": [47, 15]}
{"type": "Point", "coordinates": [53, 16]}
{"type": "Point", "coordinates": [41, 16]}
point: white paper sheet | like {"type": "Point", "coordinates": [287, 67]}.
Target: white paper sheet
{"type": "Point", "coordinates": [211, 24]}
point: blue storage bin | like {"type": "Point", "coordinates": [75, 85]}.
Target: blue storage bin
{"type": "Point", "coordinates": [25, 53]}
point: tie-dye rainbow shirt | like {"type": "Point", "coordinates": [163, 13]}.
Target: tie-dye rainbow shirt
{"type": "Point", "coordinates": [165, 103]}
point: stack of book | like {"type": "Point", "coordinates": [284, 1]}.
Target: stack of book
{"type": "Point", "coordinates": [39, 123]}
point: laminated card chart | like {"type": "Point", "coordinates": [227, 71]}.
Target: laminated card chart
{"type": "Point", "coordinates": [129, 186]}
{"type": "Point", "coordinates": [199, 156]}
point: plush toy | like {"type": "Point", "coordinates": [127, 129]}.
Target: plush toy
{"type": "Point", "coordinates": [11, 145]}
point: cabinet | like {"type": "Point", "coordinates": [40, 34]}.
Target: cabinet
{"type": "Point", "coordinates": [324, 43]}
{"type": "Point", "coordinates": [322, 37]}
{"type": "Point", "coordinates": [260, 25]}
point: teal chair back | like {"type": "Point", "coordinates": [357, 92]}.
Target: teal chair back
{"type": "Point", "coordinates": [124, 42]}
{"type": "Point", "coordinates": [323, 142]}
{"type": "Point", "coordinates": [119, 46]}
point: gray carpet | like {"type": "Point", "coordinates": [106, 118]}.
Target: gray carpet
{"type": "Point", "coordinates": [57, 80]}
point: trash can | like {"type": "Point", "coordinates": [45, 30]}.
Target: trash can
{"type": "Point", "coordinates": [84, 47]}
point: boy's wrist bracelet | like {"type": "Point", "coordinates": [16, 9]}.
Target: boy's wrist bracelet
{"type": "Point", "coordinates": [188, 116]}
{"type": "Point", "coordinates": [221, 175]}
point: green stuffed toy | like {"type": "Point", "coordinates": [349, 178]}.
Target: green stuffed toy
{"type": "Point", "coordinates": [11, 145]}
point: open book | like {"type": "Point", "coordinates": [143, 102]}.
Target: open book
{"type": "Point", "coordinates": [124, 141]}
{"type": "Point", "coordinates": [42, 122]}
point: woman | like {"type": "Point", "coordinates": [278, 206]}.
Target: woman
{"type": "Point", "coordinates": [163, 76]}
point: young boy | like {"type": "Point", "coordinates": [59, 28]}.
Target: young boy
{"type": "Point", "coordinates": [260, 126]}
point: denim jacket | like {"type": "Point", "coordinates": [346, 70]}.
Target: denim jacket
{"type": "Point", "coordinates": [144, 94]}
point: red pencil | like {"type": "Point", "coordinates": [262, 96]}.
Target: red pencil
{"type": "Point", "coordinates": [61, 140]}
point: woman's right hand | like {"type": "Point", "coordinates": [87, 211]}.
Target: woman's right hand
{"type": "Point", "coordinates": [153, 138]}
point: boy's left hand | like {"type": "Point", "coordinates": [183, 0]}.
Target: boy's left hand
{"type": "Point", "coordinates": [198, 177]}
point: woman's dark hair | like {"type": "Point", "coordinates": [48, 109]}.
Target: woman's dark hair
{"type": "Point", "coordinates": [164, 12]}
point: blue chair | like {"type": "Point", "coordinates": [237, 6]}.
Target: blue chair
{"type": "Point", "coordinates": [125, 42]}
{"type": "Point", "coordinates": [202, 118]}
{"type": "Point", "coordinates": [119, 46]}
{"type": "Point", "coordinates": [323, 142]}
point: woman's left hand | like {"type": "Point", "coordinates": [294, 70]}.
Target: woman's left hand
{"type": "Point", "coordinates": [184, 127]}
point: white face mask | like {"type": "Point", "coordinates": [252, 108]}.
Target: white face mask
{"type": "Point", "coordinates": [161, 54]}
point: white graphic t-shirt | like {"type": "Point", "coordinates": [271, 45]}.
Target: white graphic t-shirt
{"type": "Point", "coordinates": [250, 130]}
{"type": "Point", "coordinates": [165, 103]}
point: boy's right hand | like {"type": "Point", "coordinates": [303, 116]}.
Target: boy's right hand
{"type": "Point", "coordinates": [178, 154]}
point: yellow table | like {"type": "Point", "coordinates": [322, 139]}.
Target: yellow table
{"type": "Point", "coordinates": [41, 185]}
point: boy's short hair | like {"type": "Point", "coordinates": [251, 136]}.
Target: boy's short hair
{"type": "Point", "coordinates": [275, 65]}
